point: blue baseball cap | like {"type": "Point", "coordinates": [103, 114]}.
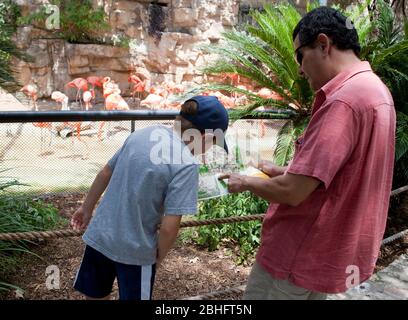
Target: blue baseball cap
{"type": "Point", "coordinates": [211, 114]}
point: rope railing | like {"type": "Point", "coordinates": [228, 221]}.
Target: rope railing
{"type": "Point", "coordinates": [399, 190]}
{"type": "Point", "coordinates": [40, 235]}
{"type": "Point", "coordinates": [37, 235]}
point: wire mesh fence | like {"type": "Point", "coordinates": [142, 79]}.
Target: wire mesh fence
{"type": "Point", "coordinates": [65, 156]}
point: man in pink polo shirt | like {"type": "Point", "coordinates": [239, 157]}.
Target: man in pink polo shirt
{"type": "Point", "coordinates": [328, 209]}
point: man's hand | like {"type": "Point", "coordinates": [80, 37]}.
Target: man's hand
{"type": "Point", "coordinates": [270, 168]}
{"type": "Point", "coordinates": [236, 182]}
{"type": "Point", "coordinates": [80, 219]}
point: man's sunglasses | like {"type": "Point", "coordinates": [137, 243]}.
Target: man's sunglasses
{"type": "Point", "coordinates": [299, 55]}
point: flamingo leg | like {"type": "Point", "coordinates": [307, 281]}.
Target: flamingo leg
{"type": "Point", "coordinates": [80, 99]}
{"type": "Point", "coordinates": [50, 138]}
{"type": "Point", "coordinates": [78, 133]}
{"type": "Point", "coordinates": [263, 130]}
{"type": "Point", "coordinates": [42, 140]}
{"type": "Point", "coordinates": [35, 107]}
{"type": "Point", "coordinates": [100, 130]}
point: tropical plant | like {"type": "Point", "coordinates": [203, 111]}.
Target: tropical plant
{"type": "Point", "coordinates": [19, 214]}
{"type": "Point", "coordinates": [385, 46]}
{"type": "Point", "coordinates": [401, 151]}
{"type": "Point", "coordinates": [79, 20]}
{"type": "Point", "coordinates": [9, 13]}
{"type": "Point", "coordinates": [262, 52]}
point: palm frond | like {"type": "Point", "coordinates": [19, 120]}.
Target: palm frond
{"type": "Point", "coordinates": [401, 145]}
{"type": "Point", "coordinates": [284, 145]}
{"type": "Point", "coordinates": [8, 50]}
{"type": "Point", "coordinates": [388, 31]}
{"type": "Point", "coordinates": [263, 54]}
{"type": "Point", "coordinates": [400, 48]}
{"type": "Point", "coordinates": [310, 5]}
{"type": "Point", "coordinates": [359, 15]}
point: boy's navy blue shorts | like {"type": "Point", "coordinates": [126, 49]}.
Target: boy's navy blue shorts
{"type": "Point", "coordinates": [97, 273]}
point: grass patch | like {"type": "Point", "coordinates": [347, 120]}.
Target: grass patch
{"type": "Point", "coordinates": [21, 213]}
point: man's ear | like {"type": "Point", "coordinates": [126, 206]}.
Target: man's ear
{"type": "Point", "coordinates": [323, 41]}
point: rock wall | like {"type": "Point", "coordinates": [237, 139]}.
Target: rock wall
{"type": "Point", "coordinates": [173, 57]}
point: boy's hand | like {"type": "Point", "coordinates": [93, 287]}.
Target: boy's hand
{"type": "Point", "coordinates": [80, 219]}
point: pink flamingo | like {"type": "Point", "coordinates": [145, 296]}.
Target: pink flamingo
{"type": "Point", "coordinates": [31, 91]}
{"type": "Point", "coordinates": [109, 87]}
{"type": "Point", "coordinates": [77, 126]}
{"type": "Point", "coordinates": [79, 84]}
{"type": "Point", "coordinates": [139, 89]}
{"type": "Point", "coordinates": [95, 81]}
{"type": "Point", "coordinates": [178, 88]}
{"type": "Point", "coordinates": [233, 77]}
{"type": "Point", "coordinates": [153, 101]}
{"type": "Point", "coordinates": [113, 101]}
{"type": "Point", "coordinates": [134, 79]}
{"type": "Point", "coordinates": [87, 96]}
{"type": "Point", "coordinates": [159, 91]}
{"type": "Point", "coordinates": [266, 93]}
{"type": "Point", "coordinates": [61, 98]}
{"type": "Point", "coordinates": [42, 126]}
{"type": "Point", "coordinates": [228, 102]}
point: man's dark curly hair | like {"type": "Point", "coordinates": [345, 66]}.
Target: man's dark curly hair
{"type": "Point", "coordinates": [330, 22]}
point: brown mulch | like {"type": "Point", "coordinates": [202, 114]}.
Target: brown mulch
{"type": "Point", "coordinates": [187, 271]}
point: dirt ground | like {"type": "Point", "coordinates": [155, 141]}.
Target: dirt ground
{"type": "Point", "coordinates": [188, 271]}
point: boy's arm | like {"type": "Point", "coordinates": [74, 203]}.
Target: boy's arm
{"type": "Point", "coordinates": [83, 215]}
{"type": "Point", "coordinates": [167, 235]}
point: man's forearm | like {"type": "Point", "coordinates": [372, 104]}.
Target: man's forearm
{"type": "Point", "coordinates": [272, 190]}
{"type": "Point", "coordinates": [291, 189]}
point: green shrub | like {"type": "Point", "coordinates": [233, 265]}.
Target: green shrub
{"type": "Point", "coordinates": [246, 235]}
{"type": "Point", "coordinates": [9, 13]}
{"type": "Point", "coordinates": [21, 214]}
{"type": "Point", "coordinates": [80, 22]}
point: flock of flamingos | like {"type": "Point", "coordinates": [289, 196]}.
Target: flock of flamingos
{"type": "Point", "coordinates": [156, 97]}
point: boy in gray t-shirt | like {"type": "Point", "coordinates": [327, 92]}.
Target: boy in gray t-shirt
{"type": "Point", "coordinates": [152, 180]}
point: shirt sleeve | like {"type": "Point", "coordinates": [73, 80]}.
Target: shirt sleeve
{"type": "Point", "coordinates": [327, 143]}
{"type": "Point", "coordinates": [181, 195]}
{"type": "Point", "coordinates": [114, 159]}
